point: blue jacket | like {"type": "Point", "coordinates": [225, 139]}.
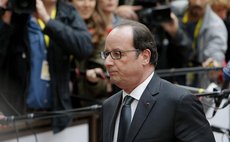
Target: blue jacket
{"type": "Point", "coordinates": [68, 36]}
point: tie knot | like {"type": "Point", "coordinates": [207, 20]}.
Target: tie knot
{"type": "Point", "coordinates": [128, 100]}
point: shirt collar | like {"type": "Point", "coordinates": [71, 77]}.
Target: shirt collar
{"type": "Point", "coordinates": [138, 91]}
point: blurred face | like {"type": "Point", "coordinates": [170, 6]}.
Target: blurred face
{"type": "Point", "coordinates": [108, 6]}
{"type": "Point", "coordinates": [220, 10]}
{"type": "Point", "coordinates": [85, 7]}
{"type": "Point", "coordinates": [126, 72]}
{"type": "Point", "coordinates": [197, 7]}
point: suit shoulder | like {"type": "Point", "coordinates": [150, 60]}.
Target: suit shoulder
{"type": "Point", "coordinates": [112, 98]}
{"type": "Point", "coordinates": [174, 91]}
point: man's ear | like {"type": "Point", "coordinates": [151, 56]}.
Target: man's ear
{"type": "Point", "coordinates": [146, 56]}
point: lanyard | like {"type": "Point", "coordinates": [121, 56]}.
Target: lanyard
{"type": "Point", "coordinates": [197, 28]}
{"type": "Point", "coordinates": [42, 25]}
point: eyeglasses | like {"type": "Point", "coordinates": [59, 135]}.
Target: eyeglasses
{"type": "Point", "coordinates": [115, 54]}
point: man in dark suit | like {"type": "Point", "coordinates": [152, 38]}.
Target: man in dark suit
{"type": "Point", "coordinates": [161, 111]}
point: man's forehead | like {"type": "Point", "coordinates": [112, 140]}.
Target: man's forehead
{"type": "Point", "coordinates": [119, 38]}
{"type": "Point", "coordinates": [121, 32]}
{"type": "Point", "coordinates": [124, 28]}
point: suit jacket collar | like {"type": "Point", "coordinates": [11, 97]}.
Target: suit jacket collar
{"type": "Point", "coordinates": [116, 102]}
{"type": "Point", "coordinates": [144, 107]}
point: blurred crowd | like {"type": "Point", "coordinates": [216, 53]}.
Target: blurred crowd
{"type": "Point", "coordinates": [54, 51]}
{"type": "Point", "coordinates": [194, 33]}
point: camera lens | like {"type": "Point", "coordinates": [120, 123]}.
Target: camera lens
{"type": "Point", "coordinates": [23, 6]}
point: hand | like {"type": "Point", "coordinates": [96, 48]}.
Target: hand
{"type": "Point", "coordinates": [6, 17]}
{"type": "Point", "coordinates": [128, 11]}
{"type": "Point", "coordinates": [94, 75]}
{"type": "Point", "coordinates": [172, 26]}
{"type": "Point", "coordinates": [210, 62]}
{"type": "Point", "coordinates": [42, 12]}
{"type": "Point", "coordinates": [3, 3]}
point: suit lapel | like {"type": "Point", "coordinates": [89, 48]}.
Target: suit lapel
{"type": "Point", "coordinates": [114, 111]}
{"type": "Point", "coordinates": [144, 107]}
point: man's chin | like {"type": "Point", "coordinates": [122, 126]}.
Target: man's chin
{"type": "Point", "coordinates": [114, 80]}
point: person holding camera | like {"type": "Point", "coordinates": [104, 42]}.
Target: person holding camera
{"type": "Point", "coordinates": [35, 55]}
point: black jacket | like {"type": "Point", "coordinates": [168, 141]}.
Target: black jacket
{"type": "Point", "coordinates": [68, 36]}
{"type": "Point", "coordinates": [164, 113]}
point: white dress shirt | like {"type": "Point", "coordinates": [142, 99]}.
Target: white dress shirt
{"type": "Point", "coordinates": [136, 94]}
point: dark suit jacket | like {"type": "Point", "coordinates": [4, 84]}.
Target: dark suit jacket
{"type": "Point", "coordinates": [165, 113]}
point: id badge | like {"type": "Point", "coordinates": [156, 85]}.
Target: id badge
{"type": "Point", "coordinates": [45, 75]}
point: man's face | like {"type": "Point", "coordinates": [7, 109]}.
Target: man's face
{"type": "Point", "coordinates": [125, 72]}
{"type": "Point", "coordinates": [197, 7]}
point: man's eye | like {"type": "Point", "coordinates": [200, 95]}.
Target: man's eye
{"type": "Point", "coordinates": [107, 54]}
{"type": "Point", "coordinates": [116, 53]}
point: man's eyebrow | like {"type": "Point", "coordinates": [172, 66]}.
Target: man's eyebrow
{"type": "Point", "coordinates": [116, 49]}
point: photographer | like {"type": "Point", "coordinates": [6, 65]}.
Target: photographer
{"type": "Point", "coordinates": [174, 46]}
{"type": "Point", "coordinates": [35, 55]}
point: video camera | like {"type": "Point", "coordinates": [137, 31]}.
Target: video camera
{"type": "Point", "coordinates": [22, 6]}
{"type": "Point", "coordinates": [152, 15]}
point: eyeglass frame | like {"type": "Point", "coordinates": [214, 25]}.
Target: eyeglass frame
{"type": "Point", "coordinates": [105, 54]}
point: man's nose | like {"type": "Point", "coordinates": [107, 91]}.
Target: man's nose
{"type": "Point", "coordinates": [108, 61]}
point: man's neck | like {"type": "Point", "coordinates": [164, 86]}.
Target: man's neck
{"type": "Point", "coordinates": [146, 74]}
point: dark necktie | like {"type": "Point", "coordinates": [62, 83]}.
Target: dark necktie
{"type": "Point", "coordinates": [125, 119]}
